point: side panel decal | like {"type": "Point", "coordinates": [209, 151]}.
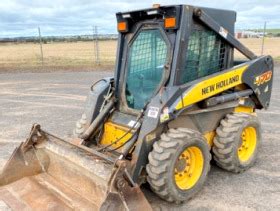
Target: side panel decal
{"type": "Point", "coordinates": [212, 86]}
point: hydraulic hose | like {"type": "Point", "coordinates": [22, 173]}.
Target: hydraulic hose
{"type": "Point", "coordinates": [228, 97]}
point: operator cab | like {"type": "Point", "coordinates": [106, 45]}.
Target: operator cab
{"type": "Point", "coordinates": [166, 46]}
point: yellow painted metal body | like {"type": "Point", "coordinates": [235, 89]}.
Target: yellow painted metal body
{"type": "Point", "coordinates": [248, 144]}
{"type": "Point", "coordinates": [112, 132]}
{"type": "Point", "coordinates": [209, 136]}
{"type": "Point", "coordinates": [244, 109]}
{"type": "Point", "coordinates": [188, 168]}
{"type": "Point", "coordinates": [212, 86]}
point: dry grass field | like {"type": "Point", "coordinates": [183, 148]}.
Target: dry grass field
{"type": "Point", "coordinates": [62, 55]}
{"type": "Point", "coordinates": [271, 46]}
{"type": "Point", "coordinates": [81, 55]}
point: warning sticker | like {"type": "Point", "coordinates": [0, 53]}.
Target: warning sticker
{"type": "Point", "coordinates": [153, 112]}
{"type": "Point", "coordinates": [133, 123]}
{"type": "Point", "coordinates": [223, 32]}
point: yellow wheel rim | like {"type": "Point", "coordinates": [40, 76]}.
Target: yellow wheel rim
{"type": "Point", "coordinates": [248, 144]}
{"type": "Point", "coordinates": [188, 168]}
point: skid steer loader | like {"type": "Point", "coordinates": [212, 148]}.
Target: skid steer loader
{"type": "Point", "coordinates": [177, 96]}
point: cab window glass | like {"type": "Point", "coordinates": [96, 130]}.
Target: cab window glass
{"type": "Point", "coordinates": [147, 57]}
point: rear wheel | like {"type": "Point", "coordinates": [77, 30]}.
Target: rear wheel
{"type": "Point", "coordinates": [178, 164]}
{"type": "Point", "coordinates": [237, 142]}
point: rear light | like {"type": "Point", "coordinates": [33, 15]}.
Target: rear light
{"type": "Point", "coordinates": [122, 26]}
{"type": "Point", "coordinates": [170, 22]}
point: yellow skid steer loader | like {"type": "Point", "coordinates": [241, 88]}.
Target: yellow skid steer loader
{"type": "Point", "coordinates": [178, 96]}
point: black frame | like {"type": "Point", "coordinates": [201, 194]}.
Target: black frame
{"type": "Point", "coordinates": [123, 70]}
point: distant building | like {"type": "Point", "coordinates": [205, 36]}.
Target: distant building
{"type": "Point", "coordinates": [248, 34]}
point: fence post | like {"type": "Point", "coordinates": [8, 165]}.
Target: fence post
{"type": "Point", "coordinates": [41, 47]}
{"type": "Point", "coordinates": [96, 44]}
{"type": "Point", "coordinates": [264, 31]}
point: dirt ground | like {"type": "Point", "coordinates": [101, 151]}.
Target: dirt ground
{"type": "Point", "coordinates": [55, 100]}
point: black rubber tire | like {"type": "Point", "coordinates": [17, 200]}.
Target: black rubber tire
{"type": "Point", "coordinates": [228, 140]}
{"type": "Point", "coordinates": [162, 161]}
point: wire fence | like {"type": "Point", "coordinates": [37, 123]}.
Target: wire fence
{"type": "Point", "coordinates": [261, 46]}
{"type": "Point", "coordinates": [90, 52]}
{"type": "Point", "coordinates": [79, 52]}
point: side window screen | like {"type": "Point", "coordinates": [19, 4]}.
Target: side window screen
{"type": "Point", "coordinates": [205, 55]}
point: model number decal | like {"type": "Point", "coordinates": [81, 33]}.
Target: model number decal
{"type": "Point", "coordinates": [263, 78]}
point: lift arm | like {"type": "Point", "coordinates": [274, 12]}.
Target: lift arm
{"type": "Point", "coordinates": [210, 22]}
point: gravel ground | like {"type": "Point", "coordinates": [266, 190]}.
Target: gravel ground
{"type": "Point", "coordinates": [55, 100]}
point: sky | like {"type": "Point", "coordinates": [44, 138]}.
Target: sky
{"type": "Point", "coordinates": [77, 17]}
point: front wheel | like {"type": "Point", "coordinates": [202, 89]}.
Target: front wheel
{"type": "Point", "coordinates": [178, 164]}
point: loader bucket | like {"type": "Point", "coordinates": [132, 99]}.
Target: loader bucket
{"type": "Point", "coordinates": [48, 173]}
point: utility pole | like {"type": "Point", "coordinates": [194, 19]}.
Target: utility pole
{"type": "Point", "coordinates": [95, 39]}
{"type": "Point", "coordinates": [264, 32]}
{"type": "Point", "coordinates": [41, 47]}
